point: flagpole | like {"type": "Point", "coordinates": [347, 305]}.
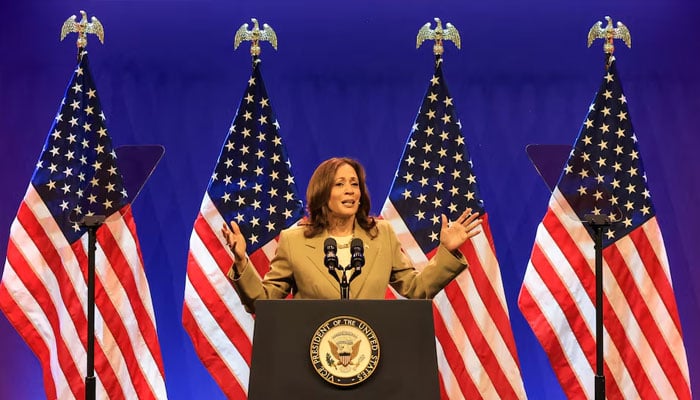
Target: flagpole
{"type": "Point", "coordinates": [92, 223]}
{"type": "Point", "coordinates": [600, 222]}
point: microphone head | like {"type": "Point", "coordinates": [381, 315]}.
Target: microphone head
{"type": "Point", "coordinates": [357, 246]}
{"type": "Point", "coordinates": [357, 251]}
{"type": "Point", "coordinates": [330, 247]}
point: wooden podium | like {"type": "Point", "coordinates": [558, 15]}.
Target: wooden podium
{"type": "Point", "coordinates": [281, 366]}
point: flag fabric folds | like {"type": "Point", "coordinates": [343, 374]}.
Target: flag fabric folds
{"type": "Point", "coordinates": [44, 291]}
{"type": "Point", "coordinates": [604, 175]}
{"type": "Point", "coordinates": [476, 350]}
{"type": "Point", "coordinates": [252, 184]}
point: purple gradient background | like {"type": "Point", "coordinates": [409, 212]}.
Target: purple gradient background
{"type": "Point", "coordinates": [347, 80]}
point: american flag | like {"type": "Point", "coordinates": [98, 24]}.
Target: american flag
{"type": "Point", "coordinates": [44, 290]}
{"type": "Point", "coordinates": [252, 184]}
{"type": "Point", "coordinates": [604, 175]}
{"type": "Point", "coordinates": [476, 350]}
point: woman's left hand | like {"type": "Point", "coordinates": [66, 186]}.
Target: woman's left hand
{"type": "Point", "coordinates": [454, 234]}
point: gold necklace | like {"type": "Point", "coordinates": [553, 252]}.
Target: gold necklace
{"type": "Point", "coordinates": [346, 245]}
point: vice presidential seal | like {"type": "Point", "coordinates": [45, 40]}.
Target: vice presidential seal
{"type": "Point", "coordinates": [344, 351]}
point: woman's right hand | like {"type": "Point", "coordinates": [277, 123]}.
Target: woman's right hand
{"type": "Point", "coordinates": [235, 240]}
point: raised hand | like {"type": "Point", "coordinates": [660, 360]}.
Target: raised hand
{"type": "Point", "coordinates": [235, 240]}
{"type": "Point", "coordinates": [453, 234]}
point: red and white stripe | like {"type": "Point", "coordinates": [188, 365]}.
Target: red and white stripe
{"type": "Point", "coordinates": [644, 352]}
{"type": "Point", "coordinates": [44, 295]}
{"type": "Point", "coordinates": [219, 327]}
{"type": "Point", "coordinates": [474, 340]}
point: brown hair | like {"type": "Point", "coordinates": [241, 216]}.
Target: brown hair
{"type": "Point", "coordinates": [319, 191]}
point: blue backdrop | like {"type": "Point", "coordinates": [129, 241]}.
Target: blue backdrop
{"type": "Point", "coordinates": [347, 80]}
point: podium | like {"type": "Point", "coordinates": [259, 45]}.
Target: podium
{"type": "Point", "coordinates": [281, 366]}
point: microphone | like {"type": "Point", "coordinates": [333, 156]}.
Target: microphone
{"type": "Point", "coordinates": [357, 251]}
{"type": "Point", "coordinates": [330, 260]}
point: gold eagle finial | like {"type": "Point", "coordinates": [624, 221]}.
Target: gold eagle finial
{"type": "Point", "coordinates": [608, 34]}
{"type": "Point", "coordinates": [438, 35]}
{"type": "Point", "coordinates": [256, 35]}
{"type": "Point", "coordinates": [82, 28]}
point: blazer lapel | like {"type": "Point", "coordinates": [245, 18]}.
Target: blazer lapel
{"type": "Point", "coordinates": [371, 251]}
{"type": "Point", "coordinates": [313, 252]}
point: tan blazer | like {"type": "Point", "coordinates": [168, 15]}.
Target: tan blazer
{"type": "Point", "coordinates": [298, 268]}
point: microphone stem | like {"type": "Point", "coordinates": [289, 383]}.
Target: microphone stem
{"type": "Point", "coordinates": [344, 286]}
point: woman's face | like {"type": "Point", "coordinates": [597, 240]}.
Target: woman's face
{"type": "Point", "coordinates": [345, 192]}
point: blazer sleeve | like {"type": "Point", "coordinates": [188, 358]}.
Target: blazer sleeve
{"type": "Point", "coordinates": [276, 284]}
{"type": "Point", "coordinates": [440, 270]}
